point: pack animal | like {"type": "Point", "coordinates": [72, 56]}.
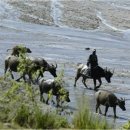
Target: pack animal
{"type": "Point", "coordinates": [108, 99]}
{"type": "Point", "coordinates": [97, 74]}
{"type": "Point", "coordinates": [46, 66]}
{"type": "Point", "coordinates": [17, 50]}
{"type": "Point", "coordinates": [12, 63]}
{"type": "Point", "coordinates": [47, 86]}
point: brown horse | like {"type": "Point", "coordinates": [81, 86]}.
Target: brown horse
{"type": "Point", "coordinates": [12, 63]}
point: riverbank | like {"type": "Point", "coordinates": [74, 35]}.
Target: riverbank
{"type": "Point", "coordinates": [65, 46]}
{"type": "Point", "coordinates": [83, 14]}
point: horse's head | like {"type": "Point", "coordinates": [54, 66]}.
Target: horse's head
{"type": "Point", "coordinates": [52, 70]}
{"type": "Point", "coordinates": [121, 103]}
{"type": "Point", "coordinates": [27, 50]}
{"type": "Point", "coordinates": [108, 75]}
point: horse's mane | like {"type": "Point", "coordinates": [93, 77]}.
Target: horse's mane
{"type": "Point", "coordinates": [100, 68]}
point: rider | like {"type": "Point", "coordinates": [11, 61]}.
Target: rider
{"type": "Point", "coordinates": [92, 62]}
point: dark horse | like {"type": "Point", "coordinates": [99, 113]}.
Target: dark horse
{"type": "Point", "coordinates": [33, 65]}
{"type": "Point", "coordinates": [96, 74]}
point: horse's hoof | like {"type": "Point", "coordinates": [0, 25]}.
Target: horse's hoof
{"type": "Point", "coordinates": [95, 89]}
{"type": "Point", "coordinates": [57, 105]}
{"type": "Point", "coordinates": [47, 103]}
{"type": "Point", "coordinates": [53, 102]}
{"type": "Point", "coordinates": [115, 116]}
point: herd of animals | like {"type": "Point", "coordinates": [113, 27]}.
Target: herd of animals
{"type": "Point", "coordinates": [106, 98]}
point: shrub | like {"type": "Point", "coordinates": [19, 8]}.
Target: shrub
{"type": "Point", "coordinates": [19, 104]}
{"type": "Point", "coordinates": [35, 118]}
{"type": "Point", "coordinates": [127, 125]}
{"type": "Point", "coordinates": [22, 115]}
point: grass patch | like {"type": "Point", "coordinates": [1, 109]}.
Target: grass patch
{"type": "Point", "coordinates": [37, 119]}
{"type": "Point", "coordinates": [127, 126]}
{"type": "Point", "coordinates": [19, 105]}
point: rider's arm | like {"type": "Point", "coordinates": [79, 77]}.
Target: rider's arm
{"type": "Point", "coordinates": [88, 61]}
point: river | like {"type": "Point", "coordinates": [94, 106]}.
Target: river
{"type": "Point", "coordinates": [66, 46]}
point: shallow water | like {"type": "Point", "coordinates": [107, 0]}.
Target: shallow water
{"type": "Point", "coordinates": [66, 46]}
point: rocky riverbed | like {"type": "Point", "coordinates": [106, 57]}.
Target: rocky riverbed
{"type": "Point", "coordinates": [83, 14]}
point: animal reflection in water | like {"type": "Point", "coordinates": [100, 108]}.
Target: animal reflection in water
{"type": "Point", "coordinates": [96, 74]}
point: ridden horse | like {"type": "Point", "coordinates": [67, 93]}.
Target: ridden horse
{"type": "Point", "coordinates": [96, 74]}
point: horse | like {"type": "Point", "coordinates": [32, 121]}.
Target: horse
{"type": "Point", "coordinates": [33, 65]}
{"type": "Point", "coordinates": [18, 49]}
{"type": "Point", "coordinates": [96, 74]}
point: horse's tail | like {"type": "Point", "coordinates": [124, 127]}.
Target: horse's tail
{"type": "Point", "coordinates": [8, 50]}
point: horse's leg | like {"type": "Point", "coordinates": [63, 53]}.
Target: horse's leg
{"type": "Point", "coordinates": [83, 81]}
{"type": "Point", "coordinates": [97, 107]}
{"type": "Point", "coordinates": [19, 78]}
{"type": "Point", "coordinates": [94, 81]}
{"type": "Point", "coordinates": [106, 109]}
{"type": "Point", "coordinates": [100, 83]}
{"type": "Point", "coordinates": [11, 74]}
{"type": "Point", "coordinates": [23, 76]}
{"type": "Point", "coordinates": [47, 100]}
{"type": "Point", "coordinates": [6, 67]}
{"type": "Point", "coordinates": [41, 97]}
{"type": "Point", "coordinates": [40, 74]}
{"type": "Point", "coordinates": [30, 78]}
{"type": "Point", "coordinates": [76, 78]}
{"type": "Point", "coordinates": [100, 112]}
{"type": "Point", "coordinates": [58, 101]}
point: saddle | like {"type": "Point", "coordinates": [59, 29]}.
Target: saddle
{"type": "Point", "coordinates": [86, 72]}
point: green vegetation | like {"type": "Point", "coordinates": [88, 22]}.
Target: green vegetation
{"type": "Point", "coordinates": [35, 118]}
{"type": "Point", "coordinates": [25, 64]}
{"type": "Point", "coordinates": [19, 105]}
{"type": "Point", "coordinates": [127, 126]}
{"type": "Point", "coordinates": [20, 108]}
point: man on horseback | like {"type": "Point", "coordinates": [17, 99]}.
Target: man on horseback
{"type": "Point", "coordinates": [92, 62]}
{"type": "Point", "coordinates": [93, 71]}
